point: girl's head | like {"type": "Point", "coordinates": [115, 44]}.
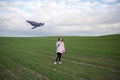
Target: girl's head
{"type": "Point", "coordinates": [60, 39]}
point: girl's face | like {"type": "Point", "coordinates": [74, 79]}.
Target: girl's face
{"type": "Point", "coordinates": [61, 39]}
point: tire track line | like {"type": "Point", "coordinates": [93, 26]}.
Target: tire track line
{"type": "Point", "coordinates": [19, 68]}
{"type": "Point", "coordinates": [81, 63]}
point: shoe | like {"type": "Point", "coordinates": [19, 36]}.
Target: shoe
{"type": "Point", "coordinates": [59, 62]}
{"type": "Point", "coordinates": [55, 62]}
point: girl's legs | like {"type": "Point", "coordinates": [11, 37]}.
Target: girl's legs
{"type": "Point", "coordinates": [58, 58]}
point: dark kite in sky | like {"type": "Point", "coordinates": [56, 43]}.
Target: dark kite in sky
{"type": "Point", "coordinates": [35, 24]}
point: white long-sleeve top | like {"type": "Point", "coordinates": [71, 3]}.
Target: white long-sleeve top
{"type": "Point", "coordinates": [60, 47]}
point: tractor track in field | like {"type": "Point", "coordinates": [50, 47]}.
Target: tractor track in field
{"type": "Point", "coordinates": [93, 65]}
{"type": "Point", "coordinates": [54, 69]}
{"type": "Point", "coordinates": [19, 69]}
{"type": "Point", "coordinates": [6, 73]}
{"type": "Point", "coordinates": [77, 62]}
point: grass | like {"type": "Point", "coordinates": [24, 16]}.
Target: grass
{"type": "Point", "coordinates": [86, 58]}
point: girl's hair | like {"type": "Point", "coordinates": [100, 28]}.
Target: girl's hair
{"type": "Point", "coordinates": [59, 38]}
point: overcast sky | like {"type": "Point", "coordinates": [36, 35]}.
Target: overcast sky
{"type": "Point", "coordinates": [61, 17]}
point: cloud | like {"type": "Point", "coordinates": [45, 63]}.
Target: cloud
{"type": "Point", "coordinates": [110, 1]}
{"type": "Point", "coordinates": [60, 18]}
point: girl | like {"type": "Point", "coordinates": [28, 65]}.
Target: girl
{"type": "Point", "coordinates": [60, 50]}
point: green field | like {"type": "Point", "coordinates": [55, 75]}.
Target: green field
{"type": "Point", "coordinates": [86, 58]}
